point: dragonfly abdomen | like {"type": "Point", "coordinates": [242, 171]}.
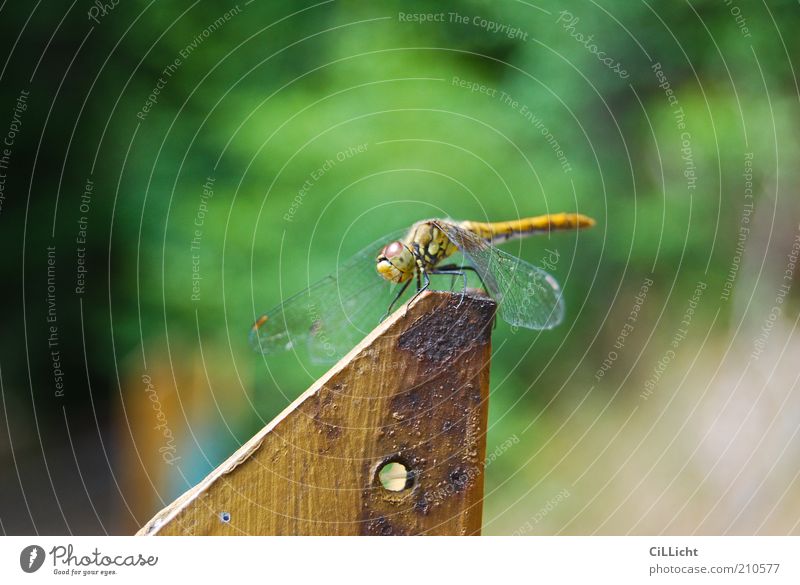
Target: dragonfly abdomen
{"type": "Point", "coordinates": [502, 231]}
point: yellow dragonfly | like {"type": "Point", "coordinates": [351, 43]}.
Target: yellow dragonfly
{"type": "Point", "coordinates": [333, 314]}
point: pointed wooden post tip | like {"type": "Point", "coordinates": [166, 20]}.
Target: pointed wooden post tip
{"type": "Point", "coordinates": [390, 441]}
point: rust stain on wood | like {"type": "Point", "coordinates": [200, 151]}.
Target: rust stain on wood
{"type": "Point", "coordinates": [414, 392]}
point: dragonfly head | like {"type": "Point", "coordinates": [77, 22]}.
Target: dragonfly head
{"type": "Point", "coordinates": [395, 262]}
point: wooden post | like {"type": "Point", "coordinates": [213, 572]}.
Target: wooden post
{"type": "Point", "coordinates": [413, 393]}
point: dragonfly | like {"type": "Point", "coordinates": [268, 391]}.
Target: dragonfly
{"type": "Point", "coordinates": [333, 314]}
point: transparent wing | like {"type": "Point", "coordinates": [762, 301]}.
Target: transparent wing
{"type": "Point", "coordinates": [332, 315]}
{"type": "Point", "coordinates": [527, 296]}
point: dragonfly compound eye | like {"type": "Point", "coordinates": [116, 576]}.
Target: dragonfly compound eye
{"type": "Point", "coordinates": [395, 262]}
{"type": "Point", "coordinates": [392, 251]}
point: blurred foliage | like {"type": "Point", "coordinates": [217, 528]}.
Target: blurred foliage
{"type": "Point", "coordinates": [282, 87]}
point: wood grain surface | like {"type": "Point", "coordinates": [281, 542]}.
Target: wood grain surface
{"type": "Point", "coordinates": [414, 391]}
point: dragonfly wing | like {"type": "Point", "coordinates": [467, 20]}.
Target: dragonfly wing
{"type": "Point", "coordinates": [331, 316]}
{"type": "Point", "coordinates": [528, 296]}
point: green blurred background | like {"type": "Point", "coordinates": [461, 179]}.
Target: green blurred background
{"type": "Point", "coordinates": [679, 432]}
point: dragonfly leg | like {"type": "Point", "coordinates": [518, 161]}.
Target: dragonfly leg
{"type": "Point", "coordinates": [451, 267]}
{"type": "Point", "coordinates": [396, 298]}
{"type": "Point", "coordinates": [421, 288]}
{"type": "Point", "coordinates": [455, 271]}
{"type": "Point", "coordinates": [478, 274]}
{"type": "Point", "coordinates": [421, 274]}
{"type": "Point", "coordinates": [427, 278]}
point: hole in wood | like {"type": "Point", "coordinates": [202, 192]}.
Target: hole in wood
{"type": "Point", "coordinates": [394, 476]}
